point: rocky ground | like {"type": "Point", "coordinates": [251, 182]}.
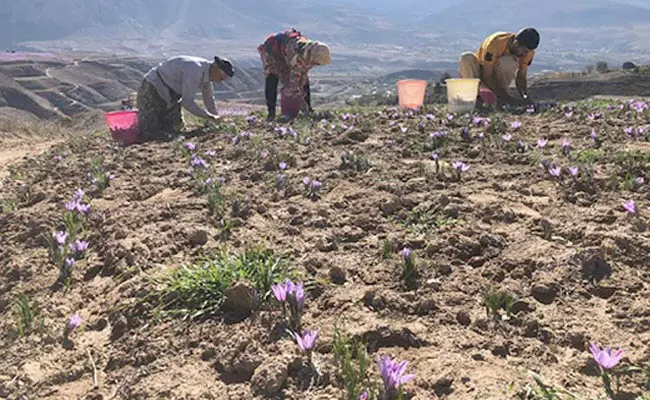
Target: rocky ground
{"type": "Point", "coordinates": [518, 264]}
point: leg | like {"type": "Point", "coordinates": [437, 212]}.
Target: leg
{"type": "Point", "coordinates": [468, 66]}
{"type": "Point", "coordinates": [307, 90]}
{"type": "Point", "coordinates": [505, 71]}
{"type": "Point", "coordinates": [271, 92]}
{"type": "Point", "coordinates": [173, 123]}
{"type": "Point", "coordinates": [148, 114]}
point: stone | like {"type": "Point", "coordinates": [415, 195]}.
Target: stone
{"type": "Point", "coordinates": [544, 293]}
{"type": "Point", "coordinates": [463, 318]}
{"type": "Point", "coordinates": [443, 386]}
{"type": "Point", "coordinates": [390, 207]}
{"type": "Point", "coordinates": [269, 377]}
{"type": "Point", "coordinates": [241, 300]}
{"type": "Point", "coordinates": [337, 275]}
{"type": "Point", "coordinates": [119, 328]}
{"type": "Point", "coordinates": [198, 238]}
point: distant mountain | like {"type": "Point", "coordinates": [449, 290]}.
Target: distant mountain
{"type": "Point", "coordinates": [488, 15]}
{"type": "Point", "coordinates": [252, 20]}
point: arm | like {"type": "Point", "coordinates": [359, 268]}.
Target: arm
{"type": "Point", "coordinates": [522, 79]}
{"type": "Point", "coordinates": [189, 90]}
{"type": "Point", "coordinates": [208, 97]}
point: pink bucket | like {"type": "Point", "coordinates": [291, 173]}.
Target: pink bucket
{"type": "Point", "coordinates": [123, 126]}
{"type": "Point", "coordinates": [290, 104]}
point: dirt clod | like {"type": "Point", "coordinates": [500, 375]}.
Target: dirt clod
{"type": "Point", "coordinates": [269, 377]}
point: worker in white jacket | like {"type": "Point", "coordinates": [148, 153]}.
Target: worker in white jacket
{"type": "Point", "coordinates": [173, 83]}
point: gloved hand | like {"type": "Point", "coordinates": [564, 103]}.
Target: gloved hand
{"type": "Point", "coordinates": [487, 96]}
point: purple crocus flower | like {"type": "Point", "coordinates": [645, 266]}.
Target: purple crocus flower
{"type": "Point", "coordinates": [70, 262]}
{"type": "Point", "coordinates": [280, 291]}
{"type": "Point", "coordinates": [434, 156]}
{"type": "Point", "coordinates": [315, 185]}
{"type": "Point", "coordinates": [198, 162]}
{"type": "Point", "coordinates": [364, 395]}
{"type": "Point", "coordinates": [60, 237]}
{"type": "Point", "coordinates": [515, 125]}
{"type": "Point", "coordinates": [306, 181]}
{"type": "Point", "coordinates": [630, 206]}
{"type": "Point", "coordinates": [74, 322]}
{"type": "Point", "coordinates": [629, 131]}
{"type": "Point", "coordinates": [79, 246]}
{"type": "Point", "coordinates": [507, 137]}
{"type": "Point", "coordinates": [190, 146]}
{"type": "Point", "coordinates": [639, 181]}
{"type": "Point", "coordinates": [282, 165]}
{"type": "Point", "coordinates": [78, 195]}
{"type": "Point", "coordinates": [573, 171]}
{"type": "Point", "coordinates": [251, 119]}
{"type": "Point", "coordinates": [604, 357]}
{"type": "Point", "coordinates": [392, 373]}
{"type": "Point", "coordinates": [450, 117]}
{"type": "Point", "coordinates": [568, 114]}
{"type": "Point", "coordinates": [297, 291]}
{"type": "Point", "coordinates": [307, 141]}
{"type": "Point", "coordinates": [282, 131]}
{"type": "Point", "coordinates": [594, 135]}
{"type": "Point", "coordinates": [555, 171]}
{"type": "Point", "coordinates": [541, 143]}
{"type": "Point", "coordinates": [211, 153]}
{"type": "Point", "coordinates": [58, 158]}
{"type": "Point", "coordinates": [236, 139]}
{"type": "Point", "coordinates": [83, 208]}
{"type": "Point", "coordinates": [404, 129]}
{"type": "Point", "coordinates": [406, 253]}
{"type": "Point", "coordinates": [71, 205]}
{"type": "Point", "coordinates": [307, 341]}
{"type": "Point", "coordinates": [460, 166]}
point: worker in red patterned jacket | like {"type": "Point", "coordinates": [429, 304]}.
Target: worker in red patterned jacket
{"type": "Point", "coordinates": [287, 57]}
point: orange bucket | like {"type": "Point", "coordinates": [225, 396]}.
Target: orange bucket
{"type": "Point", "coordinates": [410, 93]}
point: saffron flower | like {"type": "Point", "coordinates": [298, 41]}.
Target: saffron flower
{"type": "Point", "coordinates": [280, 291]}
{"type": "Point", "coordinates": [306, 181]}
{"type": "Point", "coordinates": [604, 357]}
{"type": "Point", "coordinates": [392, 373]}
{"type": "Point", "coordinates": [460, 166]}
{"type": "Point", "coordinates": [406, 252]}
{"type": "Point", "coordinates": [79, 246]}
{"type": "Point", "coordinates": [190, 146]}
{"type": "Point", "coordinates": [574, 171]}
{"type": "Point", "coordinates": [639, 181]}
{"type": "Point", "coordinates": [198, 162]}
{"type": "Point", "coordinates": [630, 206]}
{"type": "Point", "coordinates": [60, 237]}
{"type": "Point", "coordinates": [251, 119]}
{"type": "Point", "coordinates": [555, 171]}
{"type": "Point", "coordinates": [541, 143]}
{"type": "Point", "coordinates": [282, 165]}
{"type": "Point", "coordinates": [74, 322]}
{"type": "Point", "coordinates": [307, 341]}
{"type": "Point", "coordinates": [70, 262]}
{"type": "Point", "coordinates": [315, 185]}
{"type": "Point", "coordinates": [515, 125]}
{"type": "Point", "coordinates": [307, 141]}
{"type": "Point", "coordinates": [434, 156]}
{"type": "Point", "coordinates": [507, 137]}
{"type": "Point", "coordinates": [364, 395]}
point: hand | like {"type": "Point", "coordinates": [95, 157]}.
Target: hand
{"type": "Point", "coordinates": [527, 99]}
{"type": "Point", "coordinates": [215, 118]}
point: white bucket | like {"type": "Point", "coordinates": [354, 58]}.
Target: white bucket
{"type": "Point", "coordinates": [462, 94]}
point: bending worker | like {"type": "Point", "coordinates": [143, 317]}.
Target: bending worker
{"type": "Point", "coordinates": [173, 83]}
{"type": "Point", "coordinates": [287, 57]}
{"type": "Point", "coordinates": [502, 57]}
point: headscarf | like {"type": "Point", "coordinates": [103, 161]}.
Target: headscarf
{"type": "Point", "coordinates": [225, 65]}
{"type": "Point", "coordinates": [317, 53]}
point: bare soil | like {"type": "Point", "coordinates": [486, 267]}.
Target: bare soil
{"type": "Point", "coordinates": [567, 250]}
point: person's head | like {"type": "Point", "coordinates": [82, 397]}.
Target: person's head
{"type": "Point", "coordinates": [221, 69]}
{"type": "Point", "coordinates": [526, 40]}
{"type": "Point", "coordinates": [317, 53]}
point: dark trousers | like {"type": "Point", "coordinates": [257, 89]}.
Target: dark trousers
{"type": "Point", "coordinates": [271, 93]}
